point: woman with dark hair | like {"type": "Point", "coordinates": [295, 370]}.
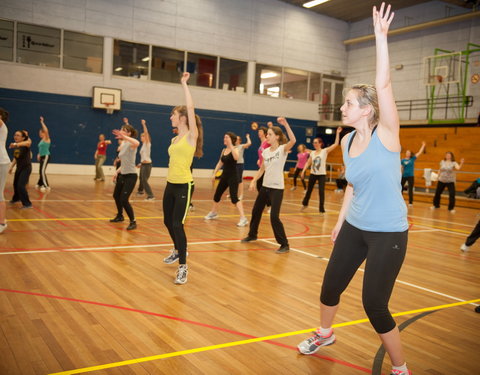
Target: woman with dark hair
{"type": "Point", "coordinates": [176, 198]}
{"type": "Point", "coordinates": [43, 156]}
{"type": "Point", "coordinates": [408, 169]}
{"type": "Point", "coordinates": [302, 156]}
{"type": "Point", "coordinates": [372, 225]}
{"type": "Point", "coordinates": [273, 185]}
{"type": "Point", "coordinates": [4, 165]}
{"type": "Point", "coordinates": [446, 179]}
{"type": "Point", "coordinates": [229, 179]}
{"type": "Point", "coordinates": [125, 176]}
{"type": "Point", "coordinates": [22, 158]}
{"type": "Point", "coordinates": [318, 170]}
{"type": "Point", "coordinates": [100, 156]}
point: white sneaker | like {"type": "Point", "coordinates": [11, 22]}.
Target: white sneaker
{"type": "Point", "coordinates": [181, 276]}
{"type": "Point", "coordinates": [464, 248]}
{"type": "Point", "coordinates": [303, 208]}
{"type": "Point", "coordinates": [410, 205]}
{"type": "Point", "coordinates": [211, 216]}
{"type": "Point", "coordinates": [43, 189]}
{"type": "Point", "coordinates": [293, 188]}
{"type": "Point", "coordinates": [3, 227]}
{"type": "Point", "coordinates": [243, 222]}
{"type": "Point", "coordinates": [269, 210]}
{"type": "Point", "coordinates": [433, 208]}
{"type": "Point", "coordinates": [452, 211]}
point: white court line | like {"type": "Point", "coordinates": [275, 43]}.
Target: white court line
{"type": "Point", "coordinates": [442, 230]}
{"type": "Point", "coordinates": [268, 240]}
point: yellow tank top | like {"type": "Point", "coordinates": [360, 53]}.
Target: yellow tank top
{"type": "Point", "coordinates": [181, 157]}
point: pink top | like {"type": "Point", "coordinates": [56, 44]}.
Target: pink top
{"type": "Point", "coordinates": [262, 147]}
{"type": "Point", "coordinates": [302, 159]}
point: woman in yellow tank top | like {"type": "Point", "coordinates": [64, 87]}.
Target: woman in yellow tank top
{"type": "Point", "coordinates": [176, 199]}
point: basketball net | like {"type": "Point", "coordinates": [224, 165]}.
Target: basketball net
{"type": "Point", "coordinates": [108, 109]}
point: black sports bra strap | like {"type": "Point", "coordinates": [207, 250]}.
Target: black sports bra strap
{"type": "Point", "coordinates": [353, 136]}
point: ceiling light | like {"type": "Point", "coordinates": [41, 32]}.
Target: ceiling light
{"type": "Point", "coordinates": [314, 3]}
{"type": "Point", "coordinates": [146, 59]}
{"type": "Point", "coordinates": [268, 75]}
{"type": "Point", "coordinates": [328, 131]}
{"type": "Point", "coordinates": [118, 69]}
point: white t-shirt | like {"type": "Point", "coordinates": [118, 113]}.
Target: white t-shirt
{"type": "Point", "coordinates": [4, 159]}
{"type": "Point", "coordinates": [145, 153]}
{"type": "Point", "coordinates": [274, 162]}
{"type": "Point", "coordinates": [319, 162]}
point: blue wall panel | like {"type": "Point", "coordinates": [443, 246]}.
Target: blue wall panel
{"type": "Point", "coordinates": [74, 127]}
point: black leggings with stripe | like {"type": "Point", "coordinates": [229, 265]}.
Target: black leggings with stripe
{"type": "Point", "coordinates": [383, 252]}
{"type": "Point", "coordinates": [42, 179]}
{"type": "Point", "coordinates": [176, 201]}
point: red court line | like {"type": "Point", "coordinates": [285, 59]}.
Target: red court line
{"type": "Point", "coordinates": [449, 253]}
{"type": "Point", "coordinates": [46, 214]}
{"type": "Point", "coordinates": [351, 365]}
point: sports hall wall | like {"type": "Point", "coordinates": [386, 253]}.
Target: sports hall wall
{"type": "Point", "coordinates": [409, 50]}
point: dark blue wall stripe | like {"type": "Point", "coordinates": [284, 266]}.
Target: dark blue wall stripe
{"type": "Point", "coordinates": [74, 126]}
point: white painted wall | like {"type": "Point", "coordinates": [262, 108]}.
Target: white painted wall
{"type": "Point", "coordinates": [409, 50]}
{"type": "Point", "coordinates": [265, 31]}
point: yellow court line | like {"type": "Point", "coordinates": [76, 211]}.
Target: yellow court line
{"type": "Point", "coordinates": [146, 217]}
{"type": "Point", "coordinates": [442, 228]}
{"type": "Point", "coordinates": [243, 342]}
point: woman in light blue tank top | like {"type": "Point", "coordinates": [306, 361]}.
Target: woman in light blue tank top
{"type": "Point", "coordinates": [43, 157]}
{"type": "Point", "coordinates": [372, 224]}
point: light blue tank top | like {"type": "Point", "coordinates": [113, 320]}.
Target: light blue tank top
{"type": "Point", "coordinates": [44, 148]}
{"type": "Point", "coordinates": [377, 204]}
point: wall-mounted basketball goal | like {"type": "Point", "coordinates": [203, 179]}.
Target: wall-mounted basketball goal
{"type": "Point", "coordinates": [107, 98]}
{"type": "Point", "coordinates": [445, 78]}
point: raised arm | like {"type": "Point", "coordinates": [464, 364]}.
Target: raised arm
{"type": "Point", "coordinates": [421, 150]}
{"type": "Point", "coordinates": [249, 141]}
{"type": "Point", "coordinates": [389, 123]}
{"type": "Point", "coordinates": [232, 148]}
{"type": "Point", "coordinates": [192, 122]}
{"type": "Point", "coordinates": [26, 143]}
{"type": "Point", "coordinates": [120, 134]}
{"type": "Point", "coordinates": [291, 136]}
{"type": "Point", "coordinates": [145, 131]}
{"type": "Point", "coordinates": [337, 141]}
{"type": "Point", "coordinates": [45, 129]}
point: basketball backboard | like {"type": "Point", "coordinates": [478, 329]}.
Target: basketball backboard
{"type": "Point", "coordinates": [107, 98]}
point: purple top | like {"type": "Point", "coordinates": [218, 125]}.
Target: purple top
{"type": "Point", "coordinates": [302, 159]}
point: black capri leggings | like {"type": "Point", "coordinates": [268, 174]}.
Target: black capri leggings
{"type": "Point", "coordinates": [231, 182]}
{"type": "Point", "coordinates": [384, 253]}
{"type": "Point", "coordinates": [123, 188]}
{"type": "Point", "coordinates": [176, 201]}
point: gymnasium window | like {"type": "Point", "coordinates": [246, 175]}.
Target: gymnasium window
{"type": "Point", "coordinates": [38, 45]}
{"type": "Point", "coordinates": [203, 69]}
{"type": "Point", "coordinates": [167, 64]}
{"type": "Point", "coordinates": [268, 80]}
{"type": "Point", "coordinates": [82, 52]}
{"type": "Point", "coordinates": [6, 40]}
{"type": "Point", "coordinates": [233, 75]}
{"type": "Point", "coordinates": [130, 59]}
{"type": "Point", "coordinates": [314, 88]}
{"type": "Point", "coordinates": [295, 84]}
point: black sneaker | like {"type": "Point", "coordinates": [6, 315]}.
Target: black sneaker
{"type": "Point", "coordinates": [283, 249]}
{"type": "Point", "coordinates": [248, 239]}
{"type": "Point", "coordinates": [132, 225]}
{"type": "Point", "coordinates": [117, 219]}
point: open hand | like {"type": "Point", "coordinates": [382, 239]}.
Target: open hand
{"type": "Point", "coordinates": [382, 19]}
{"type": "Point", "coordinates": [185, 77]}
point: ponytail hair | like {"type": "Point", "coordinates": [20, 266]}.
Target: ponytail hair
{"type": "Point", "coordinates": [3, 115]}
{"type": "Point", "coordinates": [131, 129]}
{"type": "Point", "coordinates": [278, 132]}
{"type": "Point", "coordinates": [182, 111]}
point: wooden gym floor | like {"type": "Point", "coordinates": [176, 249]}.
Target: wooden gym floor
{"type": "Point", "coordinates": [78, 293]}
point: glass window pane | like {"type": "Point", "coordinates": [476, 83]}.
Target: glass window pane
{"type": "Point", "coordinates": [233, 75]}
{"type": "Point", "coordinates": [6, 40]}
{"type": "Point", "coordinates": [38, 45]}
{"type": "Point", "coordinates": [203, 69]}
{"type": "Point", "coordinates": [295, 84]}
{"type": "Point", "coordinates": [315, 82]}
{"type": "Point", "coordinates": [167, 64]}
{"type": "Point", "coordinates": [130, 59]}
{"type": "Point", "coordinates": [82, 52]}
{"type": "Point", "coordinates": [268, 79]}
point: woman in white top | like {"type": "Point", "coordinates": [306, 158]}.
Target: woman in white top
{"type": "Point", "coordinates": [318, 171]}
{"type": "Point", "coordinates": [273, 163]}
{"type": "Point", "coordinates": [446, 179]}
{"type": "Point", "coordinates": [241, 161]}
{"type": "Point", "coordinates": [4, 166]}
{"type": "Point", "coordinates": [145, 163]}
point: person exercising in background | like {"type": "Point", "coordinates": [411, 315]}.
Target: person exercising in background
{"type": "Point", "coordinates": [408, 171]}
{"type": "Point", "coordinates": [43, 156]}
